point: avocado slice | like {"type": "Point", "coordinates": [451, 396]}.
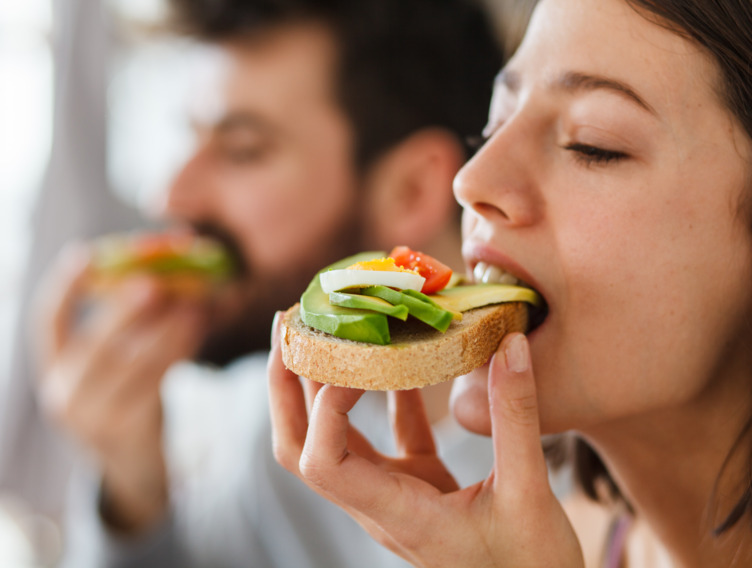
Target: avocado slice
{"type": "Point", "coordinates": [347, 323]}
{"type": "Point", "coordinates": [373, 303]}
{"type": "Point", "coordinates": [206, 258]}
{"type": "Point", "coordinates": [463, 298]}
{"type": "Point", "coordinates": [421, 296]}
{"type": "Point", "coordinates": [436, 317]}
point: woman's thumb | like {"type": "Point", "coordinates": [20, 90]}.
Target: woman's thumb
{"type": "Point", "coordinates": [519, 461]}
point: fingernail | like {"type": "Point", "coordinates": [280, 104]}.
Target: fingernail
{"type": "Point", "coordinates": [275, 329]}
{"type": "Point", "coordinates": [517, 353]}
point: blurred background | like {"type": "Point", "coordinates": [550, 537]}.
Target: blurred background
{"type": "Point", "coordinates": [114, 58]}
{"type": "Point", "coordinates": [25, 135]}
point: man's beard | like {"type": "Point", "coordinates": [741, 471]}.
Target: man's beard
{"type": "Point", "coordinates": [248, 331]}
{"type": "Point", "coordinates": [250, 327]}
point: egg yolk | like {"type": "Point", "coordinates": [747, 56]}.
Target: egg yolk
{"type": "Point", "coordinates": [383, 264]}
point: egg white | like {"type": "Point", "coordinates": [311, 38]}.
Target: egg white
{"type": "Point", "coordinates": [335, 280]}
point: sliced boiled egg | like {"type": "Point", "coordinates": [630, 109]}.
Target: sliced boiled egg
{"type": "Point", "coordinates": [379, 272]}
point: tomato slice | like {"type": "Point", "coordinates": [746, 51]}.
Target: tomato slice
{"type": "Point", "coordinates": [436, 273]}
{"type": "Point", "coordinates": [150, 247]}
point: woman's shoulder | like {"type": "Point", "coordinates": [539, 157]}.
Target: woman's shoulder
{"type": "Point", "coordinates": [609, 535]}
{"type": "Point", "coordinates": [592, 522]}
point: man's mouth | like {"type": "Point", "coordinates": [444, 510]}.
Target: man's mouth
{"type": "Point", "coordinates": [489, 274]}
{"type": "Point", "coordinates": [228, 241]}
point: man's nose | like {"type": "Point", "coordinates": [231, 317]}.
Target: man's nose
{"type": "Point", "coordinates": [186, 195]}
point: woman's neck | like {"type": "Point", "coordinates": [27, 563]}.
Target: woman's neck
{"type": "Point", "coordinates": [669, 466]}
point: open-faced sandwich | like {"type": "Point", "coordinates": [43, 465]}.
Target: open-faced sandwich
{"type": "Point", "coordinates": [397, 321]}
{"type": "Point", "coordinates": [186, 263]}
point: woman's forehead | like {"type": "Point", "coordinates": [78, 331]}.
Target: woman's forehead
{"type": "Point", "coordinates": [612, 39]}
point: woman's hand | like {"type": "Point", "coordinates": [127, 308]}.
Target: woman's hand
{"type": "Point", "coordinates": [411, 504]}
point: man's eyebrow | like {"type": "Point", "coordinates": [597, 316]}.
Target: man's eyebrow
{"type": "Point", "coordinates": [232, 122]}
{"type": "Point", "coordinates": [575, 81]}
{"type": "Point", "coordinates": [243, 121]}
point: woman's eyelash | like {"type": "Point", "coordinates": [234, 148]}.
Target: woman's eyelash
{"type": "Point", "coordinates": [475, 142]}
{"type": "Point", "coordinates": [583, 152]}
{"type": "Point", "coordinates": [593, 155]}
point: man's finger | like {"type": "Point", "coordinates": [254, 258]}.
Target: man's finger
{"type": "Point", "coordinates": [123, 307]}
{"type": "Point", "coordinates": [58, 295]}
{"type": "Point", "coordinates": [174, 336]}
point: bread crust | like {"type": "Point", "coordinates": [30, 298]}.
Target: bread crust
{"type": "Point", "coordinates": [187, 285]}
{"type": "Point", "coordinates": [418, 355]}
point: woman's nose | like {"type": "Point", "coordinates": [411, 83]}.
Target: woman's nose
{"type": "Point", "coordinates": [499, 182]}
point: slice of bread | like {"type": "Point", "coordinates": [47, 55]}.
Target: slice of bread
{"type": "Point", "coordinates": [190, 286]}
{"type": "Point", "coordinates": [186, 265]}
{"type": "Point", "coordinates": [418, 355]}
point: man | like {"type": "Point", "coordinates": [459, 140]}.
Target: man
{"type": "Point", "coordinates": [336, 126]}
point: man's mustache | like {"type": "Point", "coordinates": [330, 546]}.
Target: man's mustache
{"type": "Point", "coordinates": [227, 240]}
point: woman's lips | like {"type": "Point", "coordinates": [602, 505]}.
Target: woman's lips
{"type": "Point", "coordinates": [489, 266]}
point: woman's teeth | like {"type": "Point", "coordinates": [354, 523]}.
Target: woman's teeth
{"type": "Point", "coordinates": [487, 274]}
{"type": "Point", "coordinates": [484, 273]}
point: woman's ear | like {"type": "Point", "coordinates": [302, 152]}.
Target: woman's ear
{"type": "Point", "coordinates": [408, 193]}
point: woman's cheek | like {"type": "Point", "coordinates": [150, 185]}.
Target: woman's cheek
{"type": "Point", "coordinates": [469, 401]}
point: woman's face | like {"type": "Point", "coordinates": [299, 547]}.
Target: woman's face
{"type": "Point", "coordinates": [613, 182]}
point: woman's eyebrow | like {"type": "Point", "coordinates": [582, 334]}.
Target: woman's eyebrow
{"type": "Point", "coordinates": [572, 81]}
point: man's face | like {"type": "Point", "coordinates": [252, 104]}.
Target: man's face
{"type": "Point", "coordinates": [274, 172]}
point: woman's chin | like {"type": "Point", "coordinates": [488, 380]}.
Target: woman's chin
{"type": "Point", "coordinates": [469, 401]}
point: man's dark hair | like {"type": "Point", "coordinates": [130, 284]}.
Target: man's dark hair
{"type": "Point", "coordinates": [403, 64]}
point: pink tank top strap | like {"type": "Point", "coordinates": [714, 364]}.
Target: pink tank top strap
{"type": "Point", "coordinates": [616, 541]}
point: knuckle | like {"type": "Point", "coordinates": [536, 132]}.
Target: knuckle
{"type": "Point", "coordinates": [57, 402]}
{"type": "Point", "coordinates": [312, 470]}
{"type": "Point", "coordinates": [90, 427]}
{"type": "Point", "coordinates": [521, 410]}
{"type": "Point", "coordinates": [98, 438]}
{"type": "Point", "coordinates": [535, 495]}
{"type": "Point", "coordinates": [285, 457]}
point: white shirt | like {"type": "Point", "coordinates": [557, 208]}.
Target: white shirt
{"type": "Point", "coordinates": [233, 505]}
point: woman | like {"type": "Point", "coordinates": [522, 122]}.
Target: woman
{"type": "Point", "coordinates": [615, 180]}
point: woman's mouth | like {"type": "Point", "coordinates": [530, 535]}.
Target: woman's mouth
{"type": "Point", "coordinates": [485, 273]}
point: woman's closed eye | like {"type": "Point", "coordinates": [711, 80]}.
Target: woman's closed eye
{"type": "Point", "coordinates": [474, 143]}
{"type": "Point", "coordinates": [584, 153]}
{"type": "Point", "coordinates": [592, 155]}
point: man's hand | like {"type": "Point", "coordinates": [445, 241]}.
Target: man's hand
{"type": "Point", "coordinates": [101, 379]}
